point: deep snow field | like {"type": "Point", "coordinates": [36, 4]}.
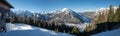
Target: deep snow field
{"type": "Point", "coordinates": [19, 29]}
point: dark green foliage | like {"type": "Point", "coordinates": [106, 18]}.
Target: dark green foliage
{"type": "Point", "coordinates": [113, 20]}
{"type": "Point", "coordinates": [88, 28]}
{"type": "Point", "coordinates": [56, 30]}
{"type": "Point", "coordinates": [114, 17]}
{"type": "Point", "coordinates": [117, 17]}
{"type": "Point", "coordinates": [75, 30]}
{"type": "Point", "coordinates": [111, 14]}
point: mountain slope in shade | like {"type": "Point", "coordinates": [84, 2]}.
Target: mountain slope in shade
{"type": "Point", "coordinates": [81, 17]}
{"type": "Point", "coordinates": [19, 29]}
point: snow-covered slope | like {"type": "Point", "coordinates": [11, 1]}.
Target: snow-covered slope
{"type": "Point", "coordinates": [80, 17]}
{"type": "Point", "coordinates": [109, 33]}
{"type": "Point", "coordinates": [19, 29]}
{"type": "Point", "coordinates": [67, 16]}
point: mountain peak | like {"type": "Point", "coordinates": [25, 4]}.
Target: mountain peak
{"type": "Point", "coordinates": [65, 9]}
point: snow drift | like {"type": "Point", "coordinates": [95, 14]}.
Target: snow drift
{"type": "Point", "coordinates": [19, 29]}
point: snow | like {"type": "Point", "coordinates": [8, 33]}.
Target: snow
{"type": "Point", "coordinates": [81, 17]}
{"type": "Point", "coordinates": [81, 26]}
{"type": "Point", "coordinates": [64, 9]}
{"type": "Point", "coordinates": [109, 33]}
{"type": "Point", "coordinates": [18, 26]}
{"type": "Point", "coordinates": [19, 29]}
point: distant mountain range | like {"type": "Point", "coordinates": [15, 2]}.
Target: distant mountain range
{"type": "Point", "coordinates": [68, 16]}
{"type": "Point", "coordinates": [64, 16]}
{"type": "Point", "coordinates": [60, 16]}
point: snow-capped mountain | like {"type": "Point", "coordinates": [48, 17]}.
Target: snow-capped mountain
{"type": "Point", "coordinates": [26, 13]}
{"type": "Point", "coordinates": [61, 16]}
{"type": "Point", "coordinates": [11, 13]}
{"type": "Point", "coordinates": [44, 16]}
{"type": "Point", "coordinates": [68, 16]}
{"type": "Point", "coordinates": [23, 13]}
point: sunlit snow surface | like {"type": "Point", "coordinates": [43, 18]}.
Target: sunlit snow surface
{"type": "Point", "coordinates": [81, 26]}
{"type": "Point", "coordinates": [19, 29]}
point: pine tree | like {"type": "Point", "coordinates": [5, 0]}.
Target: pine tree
{"type": "Point", "coordinates": [111, 14]}
{"type": "Point", "coordinates": [28, 20]}
{"type": "Point", "coordinates": [56, 30]}
{"type": "Point", "coordinates": [75, 30]}
{"type": "Point", "coordinates": [15, 19]}
{"type": "Point", "coordinates": [88, 28]}
{"type": "Point", "coordinates": [118, 14]}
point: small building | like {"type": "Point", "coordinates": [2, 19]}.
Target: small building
{"type": "Point", "coordinates": [4, 8]}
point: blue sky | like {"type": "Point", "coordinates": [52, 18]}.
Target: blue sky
{"type": "Point", "coordinates": [50, 5]}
